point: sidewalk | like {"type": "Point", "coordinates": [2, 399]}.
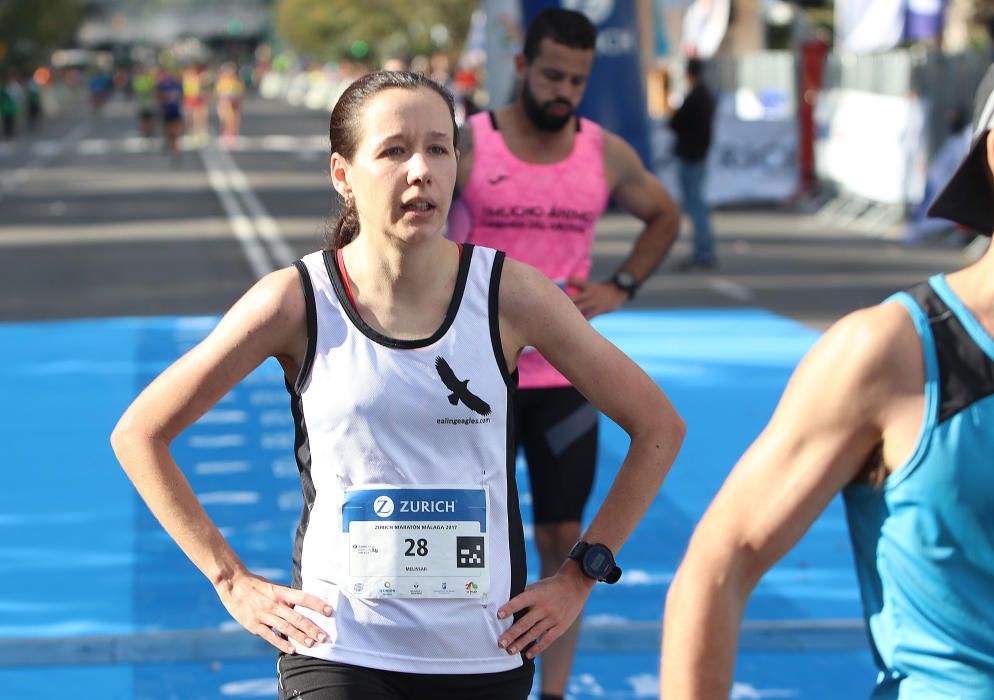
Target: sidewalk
{"type": "Point", "coordinates": [800, 265]}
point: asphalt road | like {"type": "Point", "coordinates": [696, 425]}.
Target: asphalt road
{"type": "Point", "coordinates": [95, 222]}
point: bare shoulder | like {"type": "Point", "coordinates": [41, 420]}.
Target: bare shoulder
{"type": "Point", "coordinates": [872, 354]}
{"type": "Point", "coordinates": [279, 295]}
{"type": "Point", "coordinates": [532, 306]}
{"type": "Point", "coordinates": [875, 338]}
{"type": "Point", "coordinates": [523, 288]}
{"type": "Point", "coordinates": [271, 315]}
{"type": "Point", "coordinates": [619, 153]}
{"type": "Point", "coordinates": [620, 158]}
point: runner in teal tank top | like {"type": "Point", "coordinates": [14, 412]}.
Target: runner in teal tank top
{"type": "Point", "coordinates": [923, 539]}
{"type": "Point", "coordinates": [894, 407]}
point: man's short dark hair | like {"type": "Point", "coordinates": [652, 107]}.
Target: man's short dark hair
{"type": "Point", "coordinates": [565, 27]}
{"type": "Point", "coordinates": [695, 67]}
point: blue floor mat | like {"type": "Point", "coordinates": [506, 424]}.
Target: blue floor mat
{"type": "Point", "coordinates": [83, 557]}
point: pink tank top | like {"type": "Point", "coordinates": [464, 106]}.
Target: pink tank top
{"type": "Point", "coordinates": [540, 214]}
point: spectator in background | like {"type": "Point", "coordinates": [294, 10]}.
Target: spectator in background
{"type": "Point", "coordinates": [33, 102]}
{"type": "Point", "coordinates": [692, 125]}
{"type": "Point", "coordinates": [394, 63]}
{"type": "Point", "coordinates": [8, 107]}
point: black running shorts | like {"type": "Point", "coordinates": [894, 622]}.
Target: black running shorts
{"type": "Point", "coordinates": [557, 427]}
{"type": "Point", "coordinates": [308, 678]}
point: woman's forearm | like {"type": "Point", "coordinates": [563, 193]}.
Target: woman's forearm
{"type": "Point", "coordinates": [167, 493]}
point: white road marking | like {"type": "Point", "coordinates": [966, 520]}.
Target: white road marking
{"type": "Point", "coordinates": [42, 154]}
{"type": "Point", "coordinates": [731, 289]}
{"type": "Point", "coordinates": [241, 225]}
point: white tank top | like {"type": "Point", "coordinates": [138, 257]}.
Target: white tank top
{"type": "Point", "coordinates": [410, 528]}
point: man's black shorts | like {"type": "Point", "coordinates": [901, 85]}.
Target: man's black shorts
{"type": "Point", "coordinates": [305, 677]}
{"type": "Point", "coordinates": [557, 427]}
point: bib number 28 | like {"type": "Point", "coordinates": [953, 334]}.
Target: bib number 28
{"type": "Point", "coordinates": [416, 548]}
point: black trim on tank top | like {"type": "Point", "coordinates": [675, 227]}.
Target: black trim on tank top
{"type": "Point", "coordinates": [493, 121]}
{"type": "Point", "coordinates": [312, 325]}
{"type": "Point", "coordinates": [966, 372]}
{"type": "Point", "coordinates": [335, 274]}
{"type": "Point", "coordinates": [515, 527]}
{"type": "Point", "coordinates": [493, 317]}
{"type": "Point", "coordinates": [302, 454]}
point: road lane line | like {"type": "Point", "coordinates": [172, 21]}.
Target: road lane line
{"type": "Point", "coordinates": [731, 289]}
{"type": "Point", "coordinates": [241, 225]}
{"type": "Point", "coordinates": [279, 250]}
{"type": "Point", "coordinates": [42, 155]}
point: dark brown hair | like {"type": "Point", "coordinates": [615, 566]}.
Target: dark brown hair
{"type": "Point", "coordinates": [345, 132]}
{"type": "Point", "coordinates": [567, 27]}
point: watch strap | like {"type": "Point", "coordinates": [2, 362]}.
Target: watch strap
{"type": "Point", "coordinates": [628, 287]}
{"type": "Point", "coordinates": [580, 548]}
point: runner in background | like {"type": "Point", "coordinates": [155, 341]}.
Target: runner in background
{"type": "Point", "coordinates": [229, 92]}
{"type": "Point", "coordinates": [533, 180]}
{"type": "Point", "coordinates": [144, 88]}
{"type": "Point", "coordinates": [196, 103]}
{"type": "Point", "coordinates": [169, 92]}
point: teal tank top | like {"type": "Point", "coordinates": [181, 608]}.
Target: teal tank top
{"type": "Point", "coordinates": [924, 542]}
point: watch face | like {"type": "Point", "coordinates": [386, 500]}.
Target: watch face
{"type": "Point", "coordinates": [625, 279]}
{"type": "Point", "coordinates": [597, 561]}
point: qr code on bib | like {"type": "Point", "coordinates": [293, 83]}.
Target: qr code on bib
{"type": "Point", "coordinates": [469, 553]}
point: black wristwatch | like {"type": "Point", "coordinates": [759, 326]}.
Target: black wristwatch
{"type": "Point", "coordinates": [626, 282]}
{"type": "Point", "coordinates": [596, 561]}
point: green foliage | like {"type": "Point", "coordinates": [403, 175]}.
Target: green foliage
{"type": "Point", "coordinates": [31, 29]}
{"type": "Point", "coordinates": [328, 29]}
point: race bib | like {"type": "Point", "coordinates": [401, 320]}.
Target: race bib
{"type": "Point", "coordinates": [417, 542]}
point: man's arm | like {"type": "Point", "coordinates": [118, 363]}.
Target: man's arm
{"type": "Point", "coordinates": [830, 419]}
{"type": "Point", "coordinates": [640, 193]}
{"type": "Point", "coordinates": [534, 312]}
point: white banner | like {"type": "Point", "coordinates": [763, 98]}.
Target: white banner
{"type": "Point", "coordinates": [704, 27]}
{"type": "Point", "coordinates": [749, 161]}
{"type": "Point", "coordinates": [504, 36]}
{"type": "Point", "coordinates": [864, 26]}
{"type": "Point", "coordinates": [872, 146]}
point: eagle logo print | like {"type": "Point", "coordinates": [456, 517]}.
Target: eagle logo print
{"type": "Point", "coordinates": [460, 390]}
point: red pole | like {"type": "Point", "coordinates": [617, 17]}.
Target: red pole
{"type": "Point", "coordinates": [813, 53]}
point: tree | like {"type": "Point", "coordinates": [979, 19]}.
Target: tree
{"type": "Point", "coordinates": [337, 29]}
{"type": "Point", "coordinates": [30, 31]}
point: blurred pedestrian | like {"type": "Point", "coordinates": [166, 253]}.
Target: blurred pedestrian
{"type": "Point", "coordinates": [143, 86]}
{"type": "Point", "coordinates": [196, 102]}
{"type": "Point", "coordinates": [533, 178]}
{"type": "Point", "coordinates": [229, 92]}
{"type": "Point", "coordinates": [692, 124]}
{"type": "Point", "coordinates": [893, 408]}
{"type": "Point", "coordinates": [8, 106]}
{"type": "Point", "coordinates": [169, 92]}
{"type": "Point", "coordinates": [399, 349]}
{"type": "Point", "coordinates": [33, 102]}
{"type": "Point", "coordinates": [100, 87]}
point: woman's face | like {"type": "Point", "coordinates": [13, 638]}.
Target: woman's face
{"type": "Point", "coordinates": [404, 169]}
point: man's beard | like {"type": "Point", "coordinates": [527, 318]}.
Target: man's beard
{"type": "Point", "coordinates": [539, 115]}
